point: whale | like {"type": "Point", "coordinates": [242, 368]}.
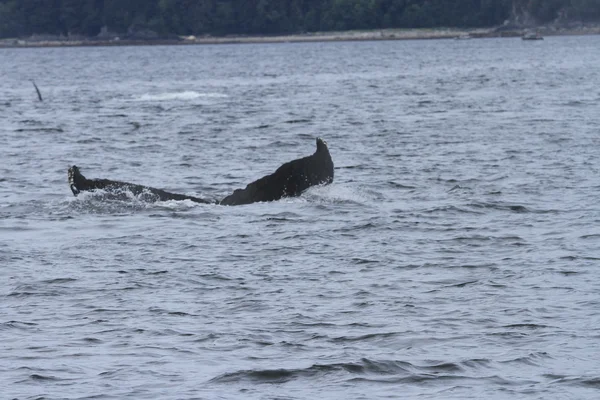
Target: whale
{"type": "Point", "coordinates": [37, 90]}
{"type": "Point", "coordinates": [289, 180]}
{"type": "Point", "coordinates": [79, 183]}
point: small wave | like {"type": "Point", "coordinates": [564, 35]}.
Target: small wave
{"type": "Point", "coordinates": [590, 236]}
{"type": "Point", "coordinates": [298, 121]}
{"type": "Point", "coordinates": [360, 261]}
{"type": "Point", "coordinates": [91, 340]}
{"type": "Point", "coordinates": [448, 209]}
{"type": "Point", "coordinates": [183, 96]}
{"type": "Point", "coordinates": [462, 284]}
{"type": "Point", "coordinates": [37, 377]}
{"type": "Point", "coordinates": [59, 280]}
{"type": "Point", "coordinates": [123, 202]}
{"type": "Point", "coordinates": [285, 217]}
{"type": "Point", "coordinates": [532, 359]}
{"type": "Point", "coordinates": [525, 326]}
{"type": "Point", "coordinates": [285, 375]}
{"type": "Point", "coordinates": [500, 206]}
{"type": "Point", "coordinates": [575, 103]}
{"type": "Point", "coordinates": [590, 382]}
{"type": "Point", "coordinates": [397, 185]}
{"type": "Point", "coordinates": [60, 130]}
{"type": "Point", "coordinates": [473, 239]}
{"type": "Point", "coordinates": [360, 167]}
{"type": "Point", "coordinates": [17, 325]}
{"type": "Point", "coordinates": [377, 371]}
{"type": "Point", "coordinates": [90, 140]}
{"type": "Point", "coordinates": [339, 194]}
{"type": "Point", "coordinates": [368, 336]}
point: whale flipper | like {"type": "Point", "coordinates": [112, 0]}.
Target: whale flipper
{"type": "Point", "coordinates": [79, 183]}
{"type": "Point", "coordinates": [289, 180]}
{"type": "Point", "coordinates": [37, 90]}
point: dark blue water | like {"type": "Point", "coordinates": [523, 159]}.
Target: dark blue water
{"type": "Point", "coordinates": [455, 255]}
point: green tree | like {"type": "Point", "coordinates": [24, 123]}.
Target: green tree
{"type": "Point", "coordinates": [224, 20]}
{"type": "Point", "coordinates": [545, 10]}
{"type": "Point", "coordinates": [81, 17]}
{"type": "Point", "coordinates": [586, 9]}
{"type": "Point", "coordinates": [12, 22]}
{"type": "Point", "coordinates": [40, 16]}
{"type": "Point", "coordinates": [416, 16]}
{"type": "Point", "coordinates": [270, 17]}
{"type": "Point", "coordinates": [118, 14]}
{"type": "Point", "coordinates": [193, 17]}
{"type": "Point", "coordinates": [494, 12]}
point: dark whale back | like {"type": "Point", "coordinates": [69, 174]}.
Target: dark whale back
{"type": "Point", "coordinates": [289, 180]}
{"type": "Point", "coordinates": [79, 183]}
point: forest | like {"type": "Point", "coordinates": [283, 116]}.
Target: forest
{"type": "Point", "coordinates": [164, 18]}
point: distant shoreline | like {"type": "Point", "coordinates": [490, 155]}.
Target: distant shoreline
{"type": "Point", "coordinates": [369, 35]}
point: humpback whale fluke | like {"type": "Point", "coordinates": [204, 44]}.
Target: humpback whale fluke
{"type": "Point", "coordinates": [37, 90]}
{"type": "Point", "coordinates": [79, 183]}
{"type": "Point", "coordinates": [289, 180]}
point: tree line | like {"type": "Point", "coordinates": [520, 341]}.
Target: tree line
{"type": "Point", "coordinates": [20, 18]}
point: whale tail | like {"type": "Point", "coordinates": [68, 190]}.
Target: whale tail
{"type": "Point", "coordinates": [289, 180]}
{"type": "Point", "coordinates": [322, 145]}
{"type": "Point", "coordinates": [322, 158]}
{"type": "Point", "coordinates": [75, 179]}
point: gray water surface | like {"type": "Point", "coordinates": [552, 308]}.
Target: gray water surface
{"type": "Point", "coordinates": [455, 255]}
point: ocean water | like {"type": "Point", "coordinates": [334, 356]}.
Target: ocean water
{"type": "Point", "coordinates": [455, 256]}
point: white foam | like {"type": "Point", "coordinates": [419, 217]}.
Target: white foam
{"type": "Point", "coordinates": [124, 199]}
{"type": "Point", "coordinates": [339, 193]}
{"type": "Point", "coordinates": [178, 204]}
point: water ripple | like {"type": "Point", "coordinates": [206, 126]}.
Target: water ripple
{"type": "Point", "coordinates": [454, 256]}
